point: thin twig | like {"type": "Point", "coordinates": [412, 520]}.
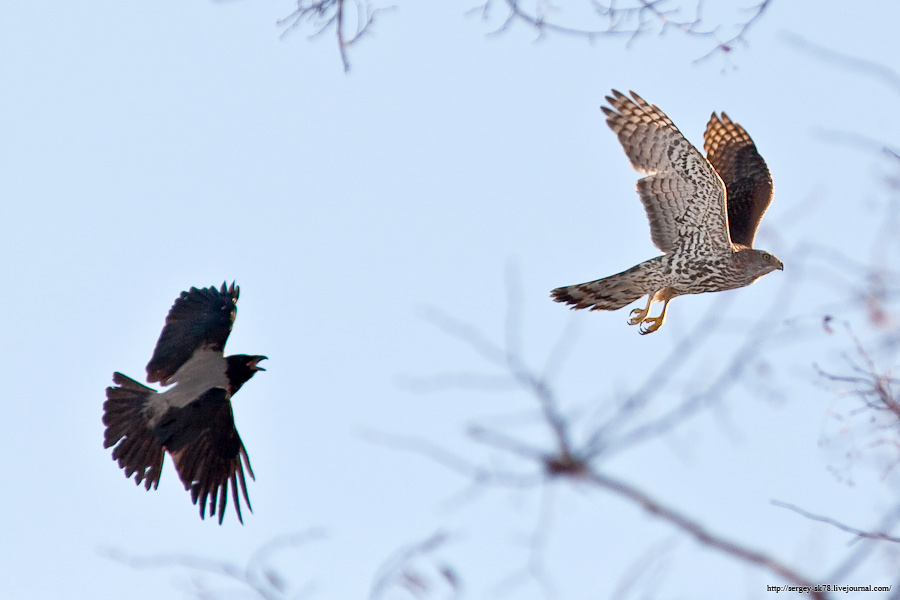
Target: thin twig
{"type": "Point", "coordinates": [859, 533]}
{"type": "Point", "coordinates": [887, 75]}
{"type": "Point", "coordinates": [629, 20]}
{"type": "Point", "coordinates": [701, 534]}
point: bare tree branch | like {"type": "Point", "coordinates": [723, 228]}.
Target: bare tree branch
{"type": "Point", "coordinates": [322, 15]}
{"type": "Point", "coordinates": [650, 562]}
{"type": "Point", "coordinates": [740, 37]}
{"type": "Point", "coordinates": [629, 19]}
{"type": "Point", "coordinates": [874, 387]}
{"type": "Point", "coordinates": [256, 575]}
{"type": "Point", "coordinates": [400, 571]}
{"type": "Point", "coordinates": [567, 460]}
{"type": "Point", "coordinates": [864, 549]}
{"type": "Point", "coordinates": [730, 375]}
{"type": "Point", "coordinates": [887, 75]}
{"type": "Point", "coordinates": [701, 534]}
{"type": "Point", "coordinates": [859, 533]}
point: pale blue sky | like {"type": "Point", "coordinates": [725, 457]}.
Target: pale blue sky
{"type": "Point", "coordinates": [151, 146]}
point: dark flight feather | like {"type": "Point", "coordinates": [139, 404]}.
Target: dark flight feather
{"type": "Point", "coordinates": [199, 318]}
{"type": "Point", "coordinates": [747, 180]}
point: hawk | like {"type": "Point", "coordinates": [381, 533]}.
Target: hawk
{"type": "Point", "coordinates": [192, 419]}
{"type": "Point", "coordinates": [703, 212]}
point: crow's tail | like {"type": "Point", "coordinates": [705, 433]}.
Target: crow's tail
{"type": "Point", "coordinates": [137, 449]}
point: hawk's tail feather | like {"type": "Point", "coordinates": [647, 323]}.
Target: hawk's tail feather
{"type": "Point", "coordinates": [609, 293]}
{"type": "Point", "coordinates": [137, 449]}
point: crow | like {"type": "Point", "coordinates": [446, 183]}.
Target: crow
{"type": "Point", "coordinates": [191, 419]}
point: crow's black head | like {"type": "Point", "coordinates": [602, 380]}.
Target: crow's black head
{"type": "Point", "coordinates": [241, 367]}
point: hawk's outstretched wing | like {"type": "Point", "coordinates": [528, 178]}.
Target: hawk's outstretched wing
{"type": "Point", "coordinates": [682, 194]}
{"type": "Point", "coordinates": [207, 451]}
{"type": "Point", "coordinates": [200, 318]}
{"type": "Point", "coordinates": [747, 180]}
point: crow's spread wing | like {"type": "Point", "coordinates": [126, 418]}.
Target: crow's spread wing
{"type": "Point", "coordinates": [200, 318]}
{"type": "Point", "coordinates": [207, 451]}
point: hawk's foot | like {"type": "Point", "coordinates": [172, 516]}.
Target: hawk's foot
{"type": "Point", "coordinates": [651, 324]}
{"type": "Point", "coordinates": [638, 315]}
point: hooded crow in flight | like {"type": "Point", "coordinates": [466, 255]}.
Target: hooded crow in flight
{"type": "Point", "coordinates": [192, 418]}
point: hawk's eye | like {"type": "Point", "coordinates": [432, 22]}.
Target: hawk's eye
{"type": "Point", "coordinates": [767, 257]}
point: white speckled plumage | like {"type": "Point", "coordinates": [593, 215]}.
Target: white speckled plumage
{"type": "Point", "coordinates": [703, 213]}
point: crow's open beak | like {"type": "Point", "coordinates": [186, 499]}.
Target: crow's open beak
{"type": "Point", "coordinates": [255, 362]}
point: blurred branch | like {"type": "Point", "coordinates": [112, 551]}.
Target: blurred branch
{"type": "Point", "coordinates": [872, 285]}
{"type": "Point", "coordinates": [568, 460]}
{"type": "Point", "coordinates": [256, 575]}
{"type": "Point", "coordinates": [401, 571]}
{"type": "Point", "coordinates": [877, 416]}
{"type": "Point", "coordinates": [859, 533]}
{"type": "Point", "coordinates": [649, 569]}
{"type": "Point", "coordinates": [864, 549]}
{"type": "Point", "coordinates": [851, 63]}
{"type": "Point", "coordinates": [700, 533]}
{"type": "Point", "coordinates": [858, 140]}
{"type": "Point", "coordinates": [478, 474]}
{"type": "Point", "coordinates": [756, 12]}
{"type": "Point", "coordinates": [657, 380]}
{"type": "Point", "coordinates": [872, 386]}
{"type": "Point", "coordinates": [742, 357]}
{"type": "Point", "coordinates": [535, 567]}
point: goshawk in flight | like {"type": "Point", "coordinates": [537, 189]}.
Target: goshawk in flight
{"type": "Point", "coordinates": [703, 212]}
{"type": "Point", "coordinates": [192, 419]}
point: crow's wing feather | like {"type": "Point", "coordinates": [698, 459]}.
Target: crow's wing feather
{"type": "Point", "coordinates": [199, 318]}
{"type": "Point", "coordinates": [207, 451]}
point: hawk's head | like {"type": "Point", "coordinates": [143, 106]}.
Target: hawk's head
{"type": "Point", "coordinates": [757, 263]}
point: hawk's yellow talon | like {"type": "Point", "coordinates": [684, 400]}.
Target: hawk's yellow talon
{"type": "Point", "coordinates": [654, 324]}
{"type": "Point", "coordinates": [651, 324]}
{"type": "Point", "coordinates": [639, 314]}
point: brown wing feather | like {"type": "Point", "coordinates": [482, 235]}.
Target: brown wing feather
{"type": "Point", "coordinates": [682, 194]}
{"type": "Point", "coordinates": [747, 180]}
